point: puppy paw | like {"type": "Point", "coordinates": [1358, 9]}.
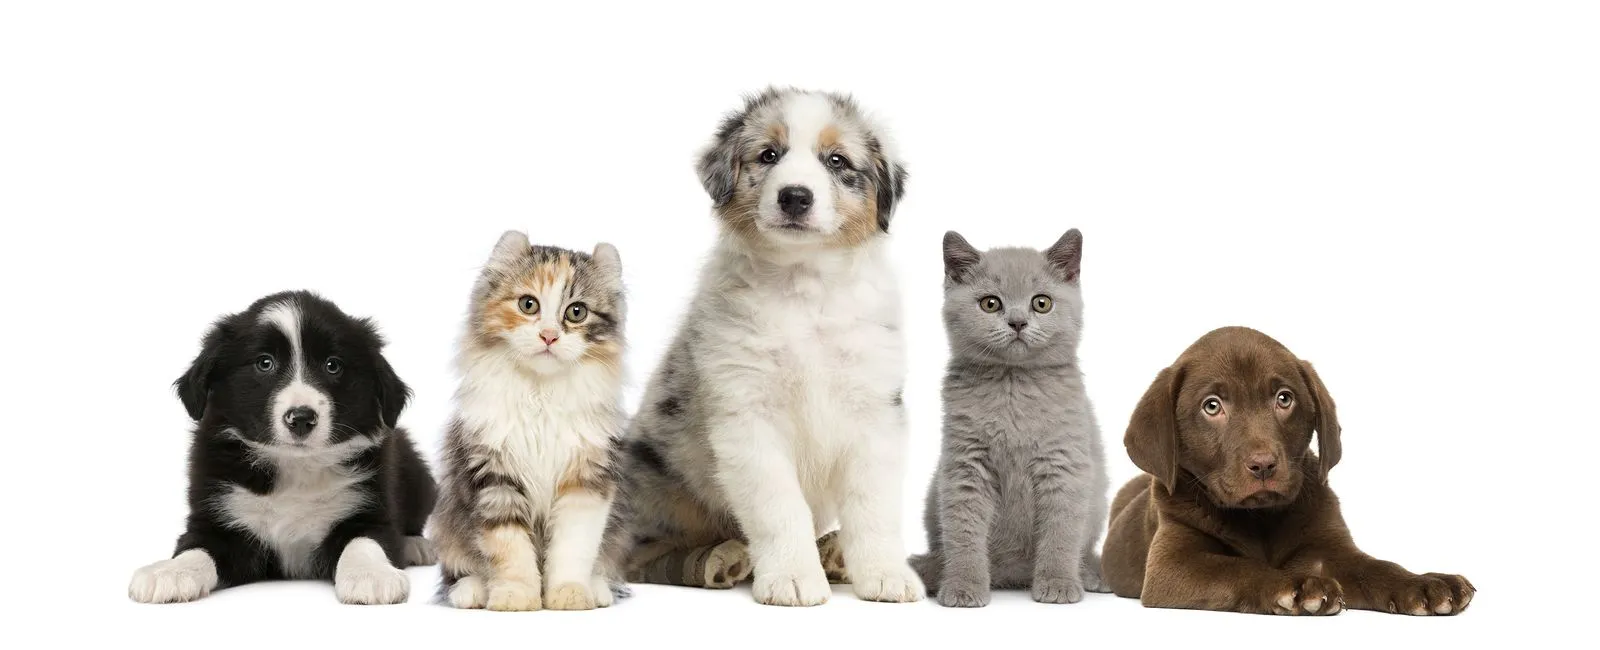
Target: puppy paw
{"type": "Point", "coordinates": [964, 593]}
{"type": "Point", "coordinates": [569, 596]}
{"type": "Point", "coordinates": [1092, 580]}
{"type": "Point", "coordinates": [371, 584]}
{"type": "Point", "coordinates": [418, 551]}
{"type": "Point", "coordinates": [1432, 594]}
{"type": "Point", "coordinates": [832, 556]}
{"type": "Point", "coordinates": [468, 593]}
{"type": "Point", "coordinates": [1307, 596]}
{"type": "Point", "coordinates": [1057, 590]}
{"type": "Point", "coordinates": [189, 576]}
{"type": "Point", "coordinates": [890, 584]}
{"type": "Point", "coordinates": [800, 588]}
{"type": "Point", "coordinates": [601, 588]}
{"type": "Point", "coordinates": [726, 564]}
{"type": "Point", "coordinates": [513, 596]}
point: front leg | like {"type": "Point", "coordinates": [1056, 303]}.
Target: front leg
{"type": "Point", "coordinates": [577, 526]}
{"type": "Point", "coordinates": [367, 553]}
{"type": "Point", "coordinates": [967, 495]}
{"type": "Point", "coordinates": [869, 517]}
{"type": "Point", "coordinates": [1373, 584]}
{"type": "Point", "coordinates": [1060, 512]}
{"type": "Point", "coordinates": [207, 558]}
{"type": "Point", "coordinates": [762, 485]}
{"type": "Point", "coordinates": [1187, 569]}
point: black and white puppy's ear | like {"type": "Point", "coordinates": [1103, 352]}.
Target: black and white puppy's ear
{"type": "Point", "coordinates": [1066, 256]}
{"type": "Point", "coordinates": [392, 393]}
{"type": "Point", "coordinates": [889, 176]}
{"type": "Point", "coordinates": [719, 162]}
{"type": "Point", "coordinates": [513, 245]}
{"type": "Point", "coordinates": [959, 257]}
{"type": "Point", "coordinates": [194, 387]}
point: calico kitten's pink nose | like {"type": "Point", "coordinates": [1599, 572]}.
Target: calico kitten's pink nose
{"type": "Point", "coordinates": [549, 336]}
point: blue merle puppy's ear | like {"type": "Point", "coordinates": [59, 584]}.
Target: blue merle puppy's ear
{"type": "Point", "coordinates": [1066, 256]}
{"type": "Point", "coordinates": [890, 178]}
{"type": "Point", "coordinates": [194, 387]}
{"type": "Point", "coordinates": [959, 257]}
{"type": "Point", "coordinates": [719, 162]}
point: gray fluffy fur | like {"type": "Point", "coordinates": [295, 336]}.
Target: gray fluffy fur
{"type": "Point", "coordinates": [1020, 490]}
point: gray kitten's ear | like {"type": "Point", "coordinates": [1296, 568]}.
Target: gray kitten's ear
{"type": "Point", "coordinates": [959, 256]}
{"type": "Point", "coordinates": [512, 245]}
{"type": "Point", "coordinates": [1066, 255]}
{"type": "Point", "coordinates": [606, 257]}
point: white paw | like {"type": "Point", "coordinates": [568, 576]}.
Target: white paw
{"type": "Point", "coordinates": [514, 596]}
{"type": "Point", "coordinates": [189, 576]}
{"type": "Point", "coordinates": [601, 588]}
{"type": "Point", "coordinates": [469, 593]}
{"type": "Point", "coordinates": [364, 576]}
{"type": "Point", "coordinates": [569, 596]}
{"type": "Point", "coordinates": [418, 551]}
{"type": "Point", "coordinates": [801, 588]}
{"type": "Point", "coordinates": [890, 584]}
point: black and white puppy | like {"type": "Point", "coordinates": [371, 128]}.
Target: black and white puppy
{"type": "Point", "coordinates": [296, 470]}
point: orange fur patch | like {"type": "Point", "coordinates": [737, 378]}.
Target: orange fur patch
{"type": "Point", "coordinates": [828, 137]}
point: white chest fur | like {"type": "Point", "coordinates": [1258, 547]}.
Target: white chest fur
{"type": "Point", "coordinates": [308, 497]}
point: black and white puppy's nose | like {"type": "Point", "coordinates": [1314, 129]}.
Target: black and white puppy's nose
{"type": "Point", "coordinates": [301, 420]}
{"type": "Point", "coordinates": [794, 200]}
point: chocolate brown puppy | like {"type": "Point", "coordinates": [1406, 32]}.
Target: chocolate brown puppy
{"type": "Point", "coordinates": [1235, 513]}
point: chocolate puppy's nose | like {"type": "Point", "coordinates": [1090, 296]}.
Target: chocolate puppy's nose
{"type": "Point", "coordinates": [1263, 466]}
{"type": "Point", "coordinates": [301, 420]}
{"type": "Point", "coordinates": [794, 200]}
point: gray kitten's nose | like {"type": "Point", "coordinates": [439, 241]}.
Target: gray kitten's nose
{"type": "Point", "coordinates": [1017, 325]}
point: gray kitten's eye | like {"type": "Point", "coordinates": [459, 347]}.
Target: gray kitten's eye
{"type": "Point", "coordinates": [1043, 304]}
{"type": "Point", "coordinates": [989, 304]}
{"type": "Point", "coordinates": [1285, 399]}
{"type": "Point", "coordinates": [528, 304]}
{"type": "Point", "coordinates": [769, 156]}
{"type": "Point", "coordinates": [1212, 406]}
{"type": "Point", "coordinates": [576, 312]}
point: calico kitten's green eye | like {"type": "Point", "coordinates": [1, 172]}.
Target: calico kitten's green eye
{"type": "Point", "coordinates": [1043, 304]}
{"type": "Point", "coordinates": [576, 312]}
{"type": "Point", "coordinates": [989, 304]}
{"type": "Point", "coordinates": [528, 304]}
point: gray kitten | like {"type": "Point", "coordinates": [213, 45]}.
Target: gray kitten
{"type": "Point", "coordinates": [1020, 490]}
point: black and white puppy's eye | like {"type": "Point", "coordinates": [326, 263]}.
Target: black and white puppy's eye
{"type": "Point", "coordinates": [1212, 406]}
{"type": "Point", "coordinates": [769, 156]}
{"type": "Point", "coordinates": [990, 304]}
{"type": "Point", "coordinates": [265, 363]}
{"type": "Point", "coordinates": [1285, 399]}
{"type": "Point", "coordinates": [1043, 304]}
{"type": "Point", "coordinates": [576, 312]}
{"type": "Point", "coordinates": [528, 304]}
{"type": "Point", "coordinates": [836, 161]}
{"type": "Point", "coordinates": [334, 365]}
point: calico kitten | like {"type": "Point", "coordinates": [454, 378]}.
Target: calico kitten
{"type": "Point", "coordinates": [528, 458]}
{"type": "Point", "coordinates": [1020, 490]}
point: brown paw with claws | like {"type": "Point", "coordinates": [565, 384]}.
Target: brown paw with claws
{"type": "Point", "coordinates": [1432, 594]}
{"type": "Point", "coordinates": [1306, 596]}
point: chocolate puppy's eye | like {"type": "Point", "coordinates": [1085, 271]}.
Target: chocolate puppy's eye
{"type": "Point", "coordinates": [990, 304]}
{"type": "Point", "coordinates": [837, 161]}
{"type": "Point", "coordinates": [769, 156]}
{"type": "Point", "coordinates": [528, 304]}
{"type": "Point", "coordinates": [1285, 399]}
{"type": "Point", "coordinates": [1043, 304]}
{"type": "Point", "coordinates": [333, 365]}
{"type": "Point", "coordinates": [576, 312]}
{"type": "Point", "coordinates": [1212, 406]}
{"type": "Point", "coordinates": [265, 363]}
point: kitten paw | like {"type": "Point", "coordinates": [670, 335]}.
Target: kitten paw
{"type": "Point", "coordinates": [513, 596]}
{"type": "Point", "coordinates": [569, 596]}
{"type": "Point", "coordinates": [468, 593]}
{"type": "Point", "coordinates": [418, 551]}
{"type": "Point", "coordinates": [963, 594]}
{"type": "Point", "coordinates": [832, 556]}
{"type": "Point", "coordinates": [726, 564]}
{"type": "Point", "coordinates": [798, 589]}
{"type": "Point", "coordinates": [1057, 590]}
{"type": "Point", "coordinates": [189, 576]}
{"type": "Point", "coordinates": [892, 584]}
{"type": "Point", "coordinates": [1092, 580]}
{"type": "Point", "coordinates": [601, 588]}
{"type": "Point", "coordinates": [364, 576]}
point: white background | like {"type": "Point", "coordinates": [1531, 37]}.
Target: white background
{"type": "Point", "coordinates": [1404, 193]}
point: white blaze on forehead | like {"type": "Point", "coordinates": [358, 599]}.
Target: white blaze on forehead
{"type": "Point", "coordinates": [804, 118]}
{"type": "Point", "coordinates": [286, 318]}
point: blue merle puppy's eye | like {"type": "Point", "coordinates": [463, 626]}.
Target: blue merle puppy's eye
{"type": "Point", "coordinates": [334, 365]}
{"type": "Point", "coordinates": [265, 363]}
{"type": "Point", "coordinates": [769, 156]}
{"type": "Point", "coordinates": [837, 161]}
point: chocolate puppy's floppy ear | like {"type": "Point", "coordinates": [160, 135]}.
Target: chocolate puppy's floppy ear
{"type": "Point", "coordinates": [1152, 438]}
{"type": "Point", "coordinates": [1328, 446]}
{"type": "Point", "coordinates": [194, 387]}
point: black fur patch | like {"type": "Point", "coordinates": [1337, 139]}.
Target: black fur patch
{"type": "Point", "coordinates": [670, 407]}
{"type": "Point", "coordinates": [649, 456]}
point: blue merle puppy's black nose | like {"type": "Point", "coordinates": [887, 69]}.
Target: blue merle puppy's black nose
{"type": "Point", "coordinates": [794, 200]}
{"type": "Point", "coordinates": [301, 420]}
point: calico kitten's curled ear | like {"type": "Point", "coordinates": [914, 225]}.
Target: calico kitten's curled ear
{"type": "Point", "coordinates": [194, 387]}
{"type": "Point", "coordinates": [1066, 255]}
{"type": "Point", "coordinates": [606, 257]}
{"type": "Point", "coordinates": [1329, 448]}
{"type": "Point", "coordinates": [1152, 437]}
{"type": "Point", "coordinates": [512, 245]}
{"type": "Point", "coordinates": [719, 162]}
{"type": "Point", "coordinates": [959, 257]}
